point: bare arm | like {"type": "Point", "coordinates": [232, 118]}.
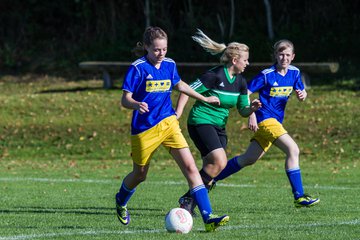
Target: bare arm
{"type": "Point", "coordinates": [252, 122]}
{"type": "Point", "coordinates": [245, 108]}
{"type": "Point", "coordinates": [182, 100]}
{"type": "Point", "coordinates": [128, 102]}
{"type": "Point", "coordinates": [186, 89]}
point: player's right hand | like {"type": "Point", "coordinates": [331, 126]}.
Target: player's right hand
{"type": "Point", "coordinates": [143, 107]}
{"type": "Point", "coordinates": [213, 100]}
{"type": "Point", "coordinates": [252, 123]}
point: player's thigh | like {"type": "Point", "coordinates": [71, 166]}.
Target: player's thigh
{"type": "Point", "coordinates": [184, 159]}
{"type": "Point", "coordinates": [207, 138]}
{"type": "Point", "coordinates": [287, 144]}
{"type": "Point", "coordinates": [253, 153]}
{"type": "Point", "coordinates": [186, 163]}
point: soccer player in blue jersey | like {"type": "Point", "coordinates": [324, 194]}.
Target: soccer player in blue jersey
{"type": "Point", "coordinates": [275, 85]}
{"type": "Point", "coordinates": [207, 123]}
{"type": "Point", "coordinates": [147, 90]}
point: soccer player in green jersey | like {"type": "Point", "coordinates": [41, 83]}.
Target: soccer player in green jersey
{"type": "Point", "coordinates": [206, 122]}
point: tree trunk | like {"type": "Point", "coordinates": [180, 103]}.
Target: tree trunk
{"type": "Point", "coordinates": [232, 19]}
{"type": "Point", "coordinates": [269, 19]}
{"type": "Point", "coordinates": [147, 13]}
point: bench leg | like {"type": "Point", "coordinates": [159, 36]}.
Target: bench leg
{"type": "Point", "coordinates": [108, 83]}
{"type": "Point", "coordinates": [305, 78]}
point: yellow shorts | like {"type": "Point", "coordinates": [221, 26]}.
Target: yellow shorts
{"type": "Point", "coordinates": [166, 133]}
{"type": "Point", "coordinates": [269, 130]}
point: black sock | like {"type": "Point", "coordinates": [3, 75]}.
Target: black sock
{"type": "Point", "coordinates": [187, 194]}
{"type": "Point", "coordinates": [206, 178]}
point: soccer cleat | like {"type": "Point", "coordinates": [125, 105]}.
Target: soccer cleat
{"type": "Point", "coordinates": [214, 222]}
{"type": "Point", "coordinates": [188, 203]}
{"type": "Point", "coordinates": [306, 201]}
{"type": "Point", "coordinates": [122, 214]}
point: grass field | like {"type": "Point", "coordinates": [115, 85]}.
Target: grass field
{"type": "Point", "coordinates": [64, 150]}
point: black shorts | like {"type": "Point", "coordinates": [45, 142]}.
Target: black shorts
{"type": "Point", "coordinates": [207, 137]}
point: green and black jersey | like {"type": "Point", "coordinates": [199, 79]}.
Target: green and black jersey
{"type": "Point", "coordinates": [232, 91]}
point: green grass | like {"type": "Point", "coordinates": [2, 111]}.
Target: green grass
{"type": "Point", "coordinates": [64, 150]}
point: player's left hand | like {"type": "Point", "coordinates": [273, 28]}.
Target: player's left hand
{"type": "Point", "coordinates": [255, 105]}
{"type": "Point", "coordinates": [301, 94]}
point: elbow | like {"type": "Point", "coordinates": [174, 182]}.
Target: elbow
{"type": "Point", "coordinates": [242, 114]}
{"type": "Point", "coordinates": [245, 112]}
{"type": "Point", "coordinates": [122, 103]}
{"type": "Point", "coordinates": [245, 115]}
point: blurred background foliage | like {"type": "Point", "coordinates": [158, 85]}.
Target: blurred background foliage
{"type": "Point", "coordinates": [53, 36]}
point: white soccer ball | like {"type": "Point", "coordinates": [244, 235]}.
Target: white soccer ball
{"type": "Point", "coordinates": [178, 220]}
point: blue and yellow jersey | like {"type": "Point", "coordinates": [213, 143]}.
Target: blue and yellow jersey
{"type": "Point", "coordinates": [153, 86]}
{"type": "Point", "coordinates": [231, 90]}
{"type": "Point", "coordinates": [274, 91]}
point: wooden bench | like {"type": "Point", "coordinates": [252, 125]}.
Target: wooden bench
{"type": "Point", "coordinates": [107, 68]}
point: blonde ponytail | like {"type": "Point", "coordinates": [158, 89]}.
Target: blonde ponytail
{"type": "Point", "coordinates": [206, 43]}
{"type": "Point", "coordinates": [232, 50]}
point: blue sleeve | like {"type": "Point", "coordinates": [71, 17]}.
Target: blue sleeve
{"type": "Point", "coordinates": [298, 83]}
{"type": "Point", "coordinates": [131, 79]}
{"type": "Point", "coordinates": [176, 77]}
{"type": "Point", "coordinates": [256, 83]}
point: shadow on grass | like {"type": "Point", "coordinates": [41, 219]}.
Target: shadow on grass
{"type": "Point", "coordinates": [77, 89]}
{"type": "Point", "coordinates": [333, 84]}
{"type": "Point", "coordinates": [83, 211]}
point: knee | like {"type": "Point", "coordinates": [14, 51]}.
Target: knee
{"type": "Point", "coordinates": [222, 165]}
{"type": "Point", "coordinates": [191, 169]}
{"type": "Point", "coordinates": [140, 176]}
{"type": "Point", "coordinates": [217, 161]}
{"type": "Point", "coordinates": [294, 152]}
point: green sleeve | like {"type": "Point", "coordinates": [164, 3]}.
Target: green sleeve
{"type": "Point", "coordinates": [243, 105]}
